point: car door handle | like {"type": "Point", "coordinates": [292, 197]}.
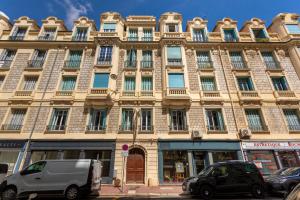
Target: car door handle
{"type": "Point", "coordinates": [37, 178]}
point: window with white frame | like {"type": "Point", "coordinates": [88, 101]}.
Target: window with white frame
{"type": "Point", "coordinates": [147, 59]}
{"type": "Point", "coordinates": [255, 120]}
{"type": "Point", "coordinates": [245, 83]}
{"type": "Point", "coordinates": [80, 34]}
{"type": "Point", "coordinates": [199, 35]}
{"type": "Point", "coordinates": [38, 58]}
{"type": "Point", "coordinates": [133, 35]}
{"type": "Point", "coordinates": [204, 60]}
{"type": "Point", "coordinates": [147, 35]}
{"type": "Point", "coordinates": [68, 83]}
{"type": "Point", "coordinates": [280, 83]}
{"type": "Point", "coordinates": [18, 33]}
{"type": "Point", "coordinates": [58, 120]}
{"type": "Point", "coordinates": [131, 58]}
{"type": "Point", "coordinates": [174, 55]}
{"type": "Point", "coordinates": [237, 61]}
{"type": "Point", "coordinates": [97, 120]}
{"type": "Point", "coordinates": [7, 57]}
{"type": "Point", "coordinates": [127, 123]}
{"type": "Point", "coordinates": [129, 83]}
{"type": "Point", "coordinates": [74, 59]}
{"type": "Point", "coordinates": [178, 120]}
{"type": "Point", "coordinates": [230, 35]}
{"type": "Point", "coordinates": [269, 60]}
{"type": "Point", "coordinates": [147, 83]}
{"type": "Point", "coordinates": [214, 120]}
{"type": "Point", "coordinates": [105, 54]}
{"type": "Point", "coordinates": [292, 119]}
{"type": "Point", "coordinates": [208, 83]}
{"type": "Point", "coordinates": [146, 119]}
{"type": "Point", "coordinates": [48, 33]}
{"type": "Point", "coordinates": [30, 83]}
{"type": "Point", "coordinates": [15, 119]}
{"type": "Point", "coordinates": [172, 28]}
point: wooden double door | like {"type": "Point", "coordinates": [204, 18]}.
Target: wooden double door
{"type": "Point", "coordinates": [135, 172]}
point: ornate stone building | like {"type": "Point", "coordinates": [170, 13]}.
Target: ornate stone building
{"type": "Point", "coordinates": [181, 99]}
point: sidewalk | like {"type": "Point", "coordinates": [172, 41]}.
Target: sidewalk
{"type": "Point", "coordinates": [141, 190]}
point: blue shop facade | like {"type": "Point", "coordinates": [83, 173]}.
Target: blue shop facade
{"type": "Point", "coordinates": [178, 160]}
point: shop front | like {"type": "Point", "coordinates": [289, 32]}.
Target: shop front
{"type": "Point", "coordinates": [104, 151]}
{"type": "Point", "coordinates": [270, 156]}
{"type": "Point", "coordinates": [178, 160]}
{"type": "Point", "coordinates": [11, 152]}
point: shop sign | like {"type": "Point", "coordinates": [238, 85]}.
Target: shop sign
{"type": "Point", "coordinates": [271, 145]}
{"type": "Point", "coordinates": [12, 144]}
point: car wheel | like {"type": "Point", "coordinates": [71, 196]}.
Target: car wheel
{"type": "Point", "coordinates": [258, 191]}
{"type": "Point", "coordinates": [72, 193]}
{"type": "Point", "coordinates": [9, 194]}
{"type": "Point", "coordinates": [206, 192]}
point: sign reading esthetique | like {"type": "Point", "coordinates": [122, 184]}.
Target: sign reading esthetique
{"type": "Point", "coordinates": [271, 145]}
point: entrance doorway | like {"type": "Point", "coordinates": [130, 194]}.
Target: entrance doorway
{"type": "Point", "coordinates": [135, 166]}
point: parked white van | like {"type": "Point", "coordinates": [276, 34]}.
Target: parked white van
{"type": "Point", "coordinates": [69, 178]}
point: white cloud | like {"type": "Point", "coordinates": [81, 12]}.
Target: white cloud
{"type": "Point", "coordinates": [74, 9]}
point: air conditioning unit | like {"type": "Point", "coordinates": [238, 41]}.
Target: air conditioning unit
{"type": "Point", "coordinates": [1, 63]}
{"type": "Point", "coordinates": [245, 133]}
{"type": "Point", "coordinates": [197, 134]}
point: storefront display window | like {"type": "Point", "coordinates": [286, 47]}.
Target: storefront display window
{"type": "Point", "coordinates": [199, 160]}
{"type": "Point", "coordinates": [264, 160]}
{"type": "Point", "coordinates": [43, 155]}
{"type": "Point", "coordinates": [71, 154]}
{"type": "Point", "coordinates": [175, 166]}
{"type": "Point", "coordinates": [288, 158]}
{"type": "Point", "coordinates": [104, 156]}
{"type": "Point", "coordinates": [224, 156]}
{"type": "Point", "coordinates": [9, 157]}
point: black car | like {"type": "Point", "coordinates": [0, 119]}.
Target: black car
{"type": "Point", "coordinates": [231, 177]}
{"type": "Point", "coordinates": [284, 181]}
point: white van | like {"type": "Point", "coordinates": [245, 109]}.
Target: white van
{"type": "Point", "coordinates": [68, 178]}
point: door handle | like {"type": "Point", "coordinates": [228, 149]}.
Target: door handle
{"type": "Point", "coordinates": [37, 178]}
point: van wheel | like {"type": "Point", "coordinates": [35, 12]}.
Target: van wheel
{"type": "Point", "coordinates": [257, 191]}
{"type": "Point", "coordinates": [9, 194]}
{"type": "Point", "coordinates": [72, 193]}
{"type": "Point", "coordinates": [206, 192]}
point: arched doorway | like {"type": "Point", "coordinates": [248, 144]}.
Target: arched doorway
{"type": "Point", "coordinates": [135, 166]}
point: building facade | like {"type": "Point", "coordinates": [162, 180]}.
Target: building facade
{"type": "Point", "coordinates": [181, 99]}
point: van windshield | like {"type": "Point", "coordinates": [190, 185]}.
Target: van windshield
{"type": "Point", "coordinates": [205, 171]}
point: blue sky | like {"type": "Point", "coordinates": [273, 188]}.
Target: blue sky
{"type": "Point", "coordinates": [213, 10]}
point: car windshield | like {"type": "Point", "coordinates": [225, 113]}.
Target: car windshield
{"type": "Point", "coordinates": [205, 171]}
{"type": "Point", "coordinates": [290, 171]}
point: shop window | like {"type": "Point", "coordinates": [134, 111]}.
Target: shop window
{"type": "Point", "coordinates": [199, 160]}
{"type": "Point", "coordinates": [264, 160]}
{"type": "Point", "coordinates": [288, 158]}
{"type": "Point", "coordinates": [103, 156]}
{"type": "Point", "coordinates": [175, 166]}
{"type": "Point", "coordinates": [43, 155]}
{"type": "Point", "coordinates": [71, 154]}
{"type": "Point", "coordinates": [9, 157]}
{"type": "Point", "coordinates": [224, 156]}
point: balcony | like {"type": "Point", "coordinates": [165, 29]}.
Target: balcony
{"type": "Point", "coordinates": [63, 96]}
{"type": "Point", "coordinates": [205, 66]}
{"type": "Point", "coordinates": [95, 128]}
{"type": "Point", "coordinates": [173, 35]}
{"type": "Point", "coordinates": [72, 64]}
{"type": "Point", "coordinates": [104, 62]}
{"type": "Point", "coordinates": [64, 93]}
{"type": "Point", "coordinates": [216, 129]}
{"type": "Point", "coordinates": [56, 128]}
{"type": "Point", "coordinates": [147, 65]}
{"type": "Point", "coordinates": [147, 39]}
{"type": "Point", "coordinates": [11, 128]}
{"type": "Point", "coordinates": [176, 96]}
{"type": "Point", "coordinates": [46, 37]}
{"type": "Point", "coordinates": [262, 39]}
{"type": "Point", "coordinates": [112, 33]}
{"type": "Point", "coordinates": [130, 65]}
{"type": "Point", "coordinates": [126, 129]}
{"type": "Point", "coordinates": [175, 62]}
{"type": "Point", "coordinates": [16, 37]}
{"type": "Point", "coordinates": [5, 64]}
{"type": "Point", "coordinates": [35, 64]}
{"type": "Point", "coordinates": [239, 66]}
{"type": "Point", "coordinates": [146, 93]}
{"type": "Point", "coordinates": [285, 96]}
{"type": "Point", "coordinates": [211, 96]}
{"type": "Point", "coordinates": [272, 66]}
{"type": "Point", "coordinates": [230, 39]}
{"type": "Point", "coordinates": [98, 94]}
{"type": "Point", "coordinates": [133, 39]}
{"type": "Point", "coordinates": [146, 129]}
{"type": "Point", "coordinates": [200, 39]}
{"type": "Point", "coordinates": [128, 93]}
{"type": "Point", "coordinates": [79, 38]}
{"type": "Point", "coordinates": [249, 96]}
{"type": "Point", "coordinates": [179, 128]}
{"type": "Point", "coordinates": [22, 96]}
{"type": "Point", "coordinates": [293, 128]}
{"type": "Point", "coordinates": [23, 93]}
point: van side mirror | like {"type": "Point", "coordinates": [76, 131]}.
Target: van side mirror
{"type": "Point", "coordinates": [3, 168]}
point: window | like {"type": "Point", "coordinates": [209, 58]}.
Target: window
{"type": "Point", "coordinates": [38, 58]}
{"type": "Point", "coordinates": [259, 33]}
{"type": "Point", "coordinates": [131, 58]}
{"type": "Point", "coordinates": [174, 55]}
{"type": "Point", "coordinates": [48, 33]}
{"type": "Point", "coordinates": [146, 119]}
{"type": "Point", "coordinates": [15, 120]}
{"type": "Point", "coordinates": [7, 57]}
{"type": "Point", "coordinates": [254, 120]}
{"type": "Point", "coordinates": [19, 33]}
{"type": "Point", "coordinates": [214, 120]}
{"type": "Point", "coordinates": [127, 120]}
{"type": "Point", "coordinates": [58, 120]}
{"type": "Point", "coordinates": [147, 84]}
{"type": "Point", "coordinates": [133, 35]}
{"type": "Point", "coordinates": [237, 60]}
{"type": "Point", "coordinates": [81, 34]}
{"type": "Point", "coordinates": [9, 157]}
{"type": "Point", "coordinates": [230, 35]}
{"type": "Point", "coordinates": [203, 60]}
{"type": "Point", "coordinates": [199, 35]}
{"type": "Point", "coordinates": [43, 155]}
{"type": "Point", "coordinates": [109, 27]}
{"type": "Point", "coordinates": [224, 156]}
{"type": "Point", "coordinates": [269, 60]}
{"type": "Point", "coordinates": [147, 35]}
{"type": "Point", "coordinates": [74, 59]}
{"type": "Point", "coordinates": [34, 168]}
{"type": "Point", "coordinates": [172, 28]}
{"type": "Point", "coordinates": [280, 83]}
{"type": "Point", "coordinates": [30, 82]}
{"type": "Point", "coordinates": [104, 156]}
{"type": "Point", "coordinates": [265, 159]}
{"type": "Point", "coordinates": [97, 120]}
{"type": "Point", "coordinates": [208, 84]}
{"type": "Point", "coordinates": [245, 84]}
{"type": "Point", "coordinates": [129, 84]}
{"type": "Point", "coordinates": [68, 83]}
{"type": "Point", "coordinates": [105, 54]}
{"type": "Point", "coordinates": [147, 59]}
{"type": "Point", "coordinates": [71, 154]}
{"type": "Point", "coordinates": [101, 80]}
{"type": "Point", "coordinates": [293, 28]}
{"type": "Point", "coordinates": [176, 80]}
{"type": "Point", "coordinates": [292, 118]}
{"type": "Point", "coordinates": [178, 120]}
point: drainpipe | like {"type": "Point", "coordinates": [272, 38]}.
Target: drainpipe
{"type": "Point", "coordinates": [27, 147]}
{"type": "Point", "coordinates": [231, 101]}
